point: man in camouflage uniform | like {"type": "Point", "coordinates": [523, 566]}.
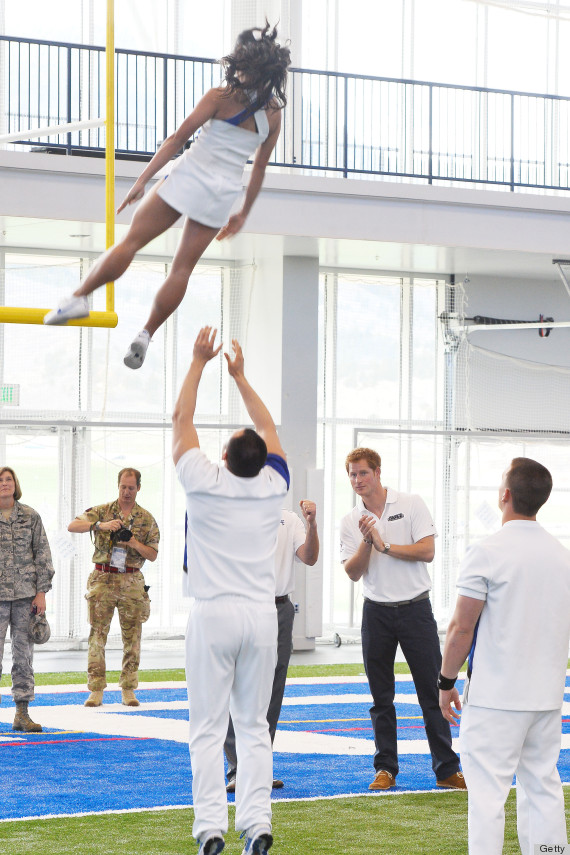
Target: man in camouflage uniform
{"type": "Point", "coordinates": [26, 572]}
{"type": "Point", "coordinates": [125, 536]}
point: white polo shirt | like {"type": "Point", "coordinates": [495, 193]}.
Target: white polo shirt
{"type": "Point", "coordinates": [290, 536]}
{"type": "Point", "coordinates": [232, 527]}
{"type": "Point", "coordinates": [405, 520]}
{"type": "Point", "coordinates": [520, 652]}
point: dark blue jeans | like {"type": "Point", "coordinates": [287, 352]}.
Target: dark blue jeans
{"type": "Point", "coordinates": [414, 628]}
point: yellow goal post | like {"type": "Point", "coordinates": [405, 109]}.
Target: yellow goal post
{"type": "Point", "coordinates": [107, 319]}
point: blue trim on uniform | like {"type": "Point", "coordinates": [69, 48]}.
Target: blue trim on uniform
{"type": "Point", "coordinates": [240, 117]}
{"type": "Point", "coordinates": [185, 564]}
{"type": "Point", "coordinates": [472, 651]}
{"type": "Point", "coordinates": [275, 461]}
{"type": "Point", "coordinates": [243, 114]}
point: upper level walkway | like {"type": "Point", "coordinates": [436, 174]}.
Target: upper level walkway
{"type": "Point", "coordinates": [445, 178]}
{"type": "Point", "coordinates": [337, 124]}
{"type": "Point", "coordinates": [46, 190]}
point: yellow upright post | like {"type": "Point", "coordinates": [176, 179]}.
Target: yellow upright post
{"type": "Point", "coordinates": [25, 315]}
{"type": "Point", "coordinates": [110, 144]}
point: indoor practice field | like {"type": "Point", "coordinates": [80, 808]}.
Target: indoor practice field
{"type": "Point", "coordinates": [121, 779]}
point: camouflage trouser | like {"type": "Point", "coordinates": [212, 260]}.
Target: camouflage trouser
{"type": "Point", "coordinates": [105, 593]}
{"type": "Point", "coordinates": [16, 615]}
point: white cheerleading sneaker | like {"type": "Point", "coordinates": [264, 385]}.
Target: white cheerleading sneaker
{"type": "Point", "coordinates": [211, 845]}
{"type": "Point", "coordinates": [136, 353]}
{"type": "Point", "coordinates": [258, 841]}
{"type": "Point", "coordinates": [68, 310]}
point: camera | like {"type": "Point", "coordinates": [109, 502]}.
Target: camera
{"type": "Point", "coordinates": [122, 535]}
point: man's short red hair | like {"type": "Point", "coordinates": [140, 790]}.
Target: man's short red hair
{"type": "Point", "coordinates": [372, 458]}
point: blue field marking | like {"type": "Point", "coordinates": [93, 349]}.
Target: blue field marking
{"type": "Point", "coordinates": [63, 698]}
{"type": "Point", "coordinates": [334, 775]}
{"type": "Point", "coordinates": [115, 758]}
{"type": "Point", "coordinates": [402, 687]}
{"type": "Point", "coordinates": [300, 690]}
{"type": "Point", "coordinates": [85, 776]}
{"type": "Point", "coordinates": [349, 719]}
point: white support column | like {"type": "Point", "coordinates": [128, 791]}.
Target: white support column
{"type": "Point", "coordinates": [298, 424]}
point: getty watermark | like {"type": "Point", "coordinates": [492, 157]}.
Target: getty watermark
{"type": "Point", "coordinates": [558, 848]}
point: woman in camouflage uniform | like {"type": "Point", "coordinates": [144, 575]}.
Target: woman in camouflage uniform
{"type": "Point", "coordinates": [25, 577]}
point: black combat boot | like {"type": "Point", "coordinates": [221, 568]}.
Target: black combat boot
{"type": "Point", "coordinates": [22, 720]}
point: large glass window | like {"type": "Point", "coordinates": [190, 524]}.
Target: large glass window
{"type": "Point", "coordinates": [82, 416]}
{"type": "Point", "coordinates": [390, 382]}
{"type": "Point", "coordinates": [382, 385]}
{"type": "Point", "coordinates": [177, 26]}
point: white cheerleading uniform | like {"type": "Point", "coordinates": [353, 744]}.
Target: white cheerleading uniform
{"type": "Point", "coordinates": [231, 638]}
{"type": "Point", "coordinates": [291, 535]}
{"type": "Point", "coordinates": [511, 716]}
{"type": "Point", "coordinates": [206, 181]}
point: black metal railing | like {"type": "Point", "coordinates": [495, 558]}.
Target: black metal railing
{"type": "Point", "coordinates": [344, 124]}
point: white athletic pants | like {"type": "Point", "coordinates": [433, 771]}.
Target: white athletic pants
{"type": "Point", "coordinates": [231, 650]}
{"type": "Point", "coordinates": [495, 745]}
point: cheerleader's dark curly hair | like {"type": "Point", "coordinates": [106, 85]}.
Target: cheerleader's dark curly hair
{"type": "Point", "coordinates": [261, 63]}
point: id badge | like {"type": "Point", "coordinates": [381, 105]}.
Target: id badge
{"type": "Point", "coordinates": [119, 558]}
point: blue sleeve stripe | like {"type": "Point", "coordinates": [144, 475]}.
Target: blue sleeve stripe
{"type": "Point", "coordinates": [280, 465]}
{"type": "Point", "coordinates": [472, 651]}
{"type": "Point", "coordinates": [185, 560]}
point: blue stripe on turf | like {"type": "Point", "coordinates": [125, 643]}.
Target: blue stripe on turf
{"type": "Point", "coordinates": [63, 773]}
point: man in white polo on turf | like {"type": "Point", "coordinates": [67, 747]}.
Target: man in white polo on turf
{"type": "Point", "coordinates": [513, 619]}
{"type": "Point", "coordinates": [387, 541]}
{"type": "Point", "coordinates": [231, 641]}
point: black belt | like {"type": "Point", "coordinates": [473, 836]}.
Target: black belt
{"type": "Point", "coordinates": [424, 596]}
{"type": "Point", "coordinates": [279, 600]}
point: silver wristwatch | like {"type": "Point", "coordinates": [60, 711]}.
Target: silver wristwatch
{"type": "Point", "coordinates": [387, 547]}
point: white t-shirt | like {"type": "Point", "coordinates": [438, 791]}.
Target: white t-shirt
{"type": "Point", "coordinates": [520, 652]}
{"type": "Point", "coordinates": [232, 528]}
{"type": "Point", "coordinates": [405, 520]}
{"type": "Point", "coordinates": [290, 536]}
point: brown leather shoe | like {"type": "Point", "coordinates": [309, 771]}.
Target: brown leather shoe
{"type": "Point", "coordinates": [454, 782]}
{"type": "Point", "coordinates": [383, 781]}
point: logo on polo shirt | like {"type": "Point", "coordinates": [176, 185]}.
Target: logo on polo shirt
{"type": "Point", "coordinates": [396, 517]}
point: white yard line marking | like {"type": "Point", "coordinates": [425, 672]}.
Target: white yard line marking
{"type": "Point", "coordinates": [98, 720]}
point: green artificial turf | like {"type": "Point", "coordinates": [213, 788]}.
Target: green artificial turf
{"type": "Point", "coordinates": [66, 678]}
{"type": "Point", "coordinates": [162, 675]}
{"type": "Point", "coordinates": [71, 677]}
{"type": "Point", "coordinates": [411, 824]}
{"type": "Point", "coordinates": [407, 824]}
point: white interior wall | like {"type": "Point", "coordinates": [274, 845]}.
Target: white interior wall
{"type": "Point", "coordinates": [525, 300]}
{"type": "Point", "coordinates": [447, 218]}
